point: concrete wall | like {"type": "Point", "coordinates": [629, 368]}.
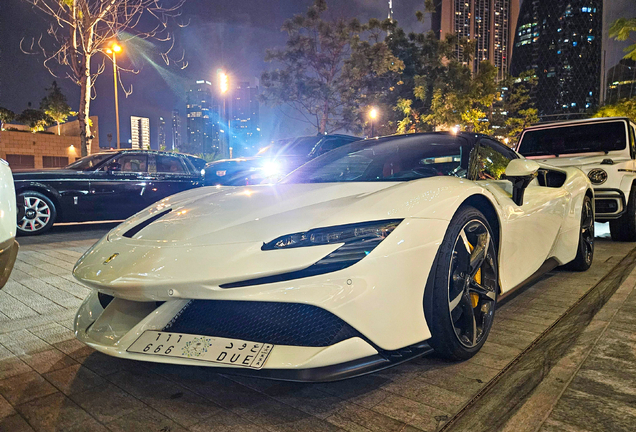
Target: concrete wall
{"type": "Point", "coordinates": [40, 144]}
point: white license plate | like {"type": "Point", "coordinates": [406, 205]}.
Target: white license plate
{"type": "Point", "coordinates": [212, 349]}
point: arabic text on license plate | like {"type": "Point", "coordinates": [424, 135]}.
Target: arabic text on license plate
{"type": "Point", "coordinates": [213, 349]}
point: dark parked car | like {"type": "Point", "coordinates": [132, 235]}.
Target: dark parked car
{"type": "Point", "coordinates": [274, 161]}
{"type": "Point", "coordinates": [103, 186]}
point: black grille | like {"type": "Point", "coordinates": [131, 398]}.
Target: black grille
{"type": "Point", "coordinates": [276, 323]}
{"type": "Point", "coordinates": [605, 206]}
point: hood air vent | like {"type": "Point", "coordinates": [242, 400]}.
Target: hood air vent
{"type": "Point", "coordinates": [134, 230]}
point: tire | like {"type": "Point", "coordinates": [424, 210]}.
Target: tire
{"type": "Point", "coordinates": [624, 228]}
{"type": "Point", "coordinates": [459, 326]}
{"type": "Point", "coordinates": [585, 250]}
{"type": "Point", "coordinates": [40, 213]}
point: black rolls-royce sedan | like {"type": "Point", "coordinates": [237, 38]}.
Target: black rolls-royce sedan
{"type": "Point", "coordinates": [103, 186]}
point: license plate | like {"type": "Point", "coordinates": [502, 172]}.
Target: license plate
{"type": "Point", "coordinates": [212, 349]}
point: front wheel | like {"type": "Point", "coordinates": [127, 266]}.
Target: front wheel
{"type": "Point", "coordinates": [39, 213]}
{"type": "Point", "coordinates": [624, 228]}
{"type": "Point", "coordinates": [461, 295]}
{"type": "Point", "coordinates": [585, 250]}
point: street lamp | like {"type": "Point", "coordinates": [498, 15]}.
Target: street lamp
{"type": "Point", "coordinates": [114, 49]}
{"type": "Point", "coordinates": [373, 114]}
{"type": "Point", "coordinates": [224, 86]}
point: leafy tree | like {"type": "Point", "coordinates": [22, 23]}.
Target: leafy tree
{"type": "Point", "coordinates": [514, 110]}
{"type": "Point", "coordinates": [55, 106]}
{"type": "Point", "coordinates": [36, 119]}
{"type": "Point", "coordinates": [327, 69]}
{"type": "Point", "coordinates": [81, 29]}
{"type": "Point", "coordinates": [623, 108]}
{"type": "Point", "coordinates": [6, 115]}
{"type": "Point", "coordinates": [620, 30]}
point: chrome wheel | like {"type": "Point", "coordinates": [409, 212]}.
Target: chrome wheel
{"type": "Point", "coordinates": [472, 284]}
{"type": "Point", "coordinates": [587, 232]}
{"type": "Point", "coordinates": [37, 214]}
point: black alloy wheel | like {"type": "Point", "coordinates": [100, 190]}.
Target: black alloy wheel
{"type": "Point", "coordinates": [460, 305]}
{"type": "Point", "coordinates": [585, 250]}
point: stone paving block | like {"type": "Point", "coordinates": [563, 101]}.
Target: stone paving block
{"type": "Point", "coordinates": [454, 382]}
{"type": "Point", "coordinates": [309, 424]}
{"type": "Point", "coordinates": [30, 298]}
{"type": "Point", "coordinates": [225, 421]}
{"type": "Point", "coordinates": [24, 261]}
{"type": "Point", "coordinates": [144, 420]}
{"type": "Point", "coordinates": [53, 259]}
{"type": "Point", "coordinates": [73, 288]}
{"type": "Point", "coordinates": [13, 308]}
{"type": "Point", "coordinates": [15, 423]}
{"type": "Point", "coordinates": [25, 387]}
{"type": "Point", "coordinates": [519, 339]}
{"type": "Point", "coordinates": [22, 342]}
{"type": "Point", "coordinates": [74, 379]}
{"type": "Point", "coordinates": [356, 418]}
{"type": "Point", "coordinates": [55, 412]}
{"type": "Point", "coordinates": [12, 366]}
{"type": "Point", "coordinates": [366, 391]}
{"type": "Point", "coordinates": [6, 409]}
{"type": "Point", "coordinates": [52, 333]}
{"type": "Point", "coordinates": [429, 394]}
{"type": "Point", "coordinates": [575, 408]}
{"type": "Point", "coordinates": [104, 365]}
{"type": "Point", "coordinates": [74, 348]}
{"type": "Point", "coordinates": [414, 413]}
{"type": "Point", "coordinates": [107, 403]}
{"type": "Point", "coordinates": [47, 361]}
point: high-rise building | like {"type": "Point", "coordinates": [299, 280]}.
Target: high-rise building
{"type": "Point", "coordinates": [140, 132]}
{"type": "Point", "coordinates": [561, 41]}
{"type": "Point", "coordinates": [621, 81]}
{"type": "Point", "coordinates": [176, 130]}
{"type": "Point", "coordinates": [490, 23]}
{"type": "Point", "coordinates": [244, 118]}
{"type": "Point", "coordinates": [162, 134]}
{"type": "Point", "coordinates": [202, 110]}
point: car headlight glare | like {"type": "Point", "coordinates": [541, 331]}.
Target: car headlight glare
{"type": "Point", "coordinates": [358, 240]}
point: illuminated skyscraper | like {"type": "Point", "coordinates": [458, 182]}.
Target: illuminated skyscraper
{"type": "Point", "coordinates": [202, 119]}
{"type": "Point", "coordinates": [176, 130]}
{"type": "Point", "coordinates": [244, 118]}
{"type": "Point", "coordinates": [140, 132]}
{"type": "Point", "coordinates": [621, 81]}
{"type": "Point", "coordinates": [490, 23]}
{"type": "Point", "coordinates": [561, 41]}
{"type": "Point", "coordinates": [162, 133]}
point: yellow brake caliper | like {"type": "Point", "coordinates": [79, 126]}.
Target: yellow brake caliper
{"type": "Point", "coordinates": [474, 298]}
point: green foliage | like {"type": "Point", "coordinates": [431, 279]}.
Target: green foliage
{"type": "Point", "coordinates": [6, 116]}
{"type": "Point", "coordinates": [55, 106]}
{"type": "Point", "coordinates": [620, 30]}
{"type": "Point", "coordinates": [623, 108]}
{"type": "Point", "coordinates": [37, 120]}
{"type": "Point", "coordinates": [328, 69]}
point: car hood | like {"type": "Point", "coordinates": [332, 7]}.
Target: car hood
{"type": "Point", "coordinates": [256, 213]}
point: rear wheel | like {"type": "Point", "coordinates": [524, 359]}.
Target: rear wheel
{"type": "Point", "coordinates": [624, 228]}
{"type": "Point", "coordinates": [585, 251]}
{"type": "Point", "coordinates": [460, 300]}
{"type": "Point", "coordinates": [39, 213]}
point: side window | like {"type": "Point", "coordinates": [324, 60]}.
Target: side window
{"type": "Point", "coordinates": [632, 141]}
{"type": "Point", "coordinates": [489, 160]}
{"type": "Point", "coordinates": [132, 163]}
{"type": "Point", "coordinates": [169, 165]}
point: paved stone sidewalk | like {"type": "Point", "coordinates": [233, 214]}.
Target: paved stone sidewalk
{"type": "Point", "coordinates": [51, 381]}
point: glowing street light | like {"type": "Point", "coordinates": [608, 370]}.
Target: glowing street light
{"type": "Point", "coordinates": [223, 82]}
{"type": "Point", "coordinates": [224, 86]}
{"type": "Point", "coordinates": [114, 49]}
{"type": "Point", "coordinates": [373, 114]}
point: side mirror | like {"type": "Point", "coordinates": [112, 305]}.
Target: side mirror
{"type": "Point", "coordinates": [521, 172]}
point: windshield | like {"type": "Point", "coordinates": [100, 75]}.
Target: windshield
{"type": "Point", "coordinates": [89, 162]}
{"type": "Point", "coordinates": [301, 146]}
{"type": "Point", "coordinates": [393, 159]}
{"type": "Point", "coordinates": [597, 137]}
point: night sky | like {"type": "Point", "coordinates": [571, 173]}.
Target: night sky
{"type": "Point", "coordinates": [229, 34]}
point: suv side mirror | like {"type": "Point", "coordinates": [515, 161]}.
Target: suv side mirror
{"type": "Point", "coordinates": [521, 172]}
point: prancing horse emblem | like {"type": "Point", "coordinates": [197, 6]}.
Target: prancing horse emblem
{"type": "Point", "coordinates": [110, 258]}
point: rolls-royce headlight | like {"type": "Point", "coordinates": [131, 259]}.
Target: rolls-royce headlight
{"type": "Point", "coordinates": [597, 176]}
{"type": "Point", "coordinates": [358, 240]}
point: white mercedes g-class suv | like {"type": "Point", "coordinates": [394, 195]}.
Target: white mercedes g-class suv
{"type": "Point", "coordinates": [605, 149]}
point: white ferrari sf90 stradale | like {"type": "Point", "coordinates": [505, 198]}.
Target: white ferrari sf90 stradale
{"type": "Point", "coordinates": [365, 257]}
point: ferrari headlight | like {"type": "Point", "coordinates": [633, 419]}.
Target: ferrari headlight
{"type": "Point", "coordinates": [358, 240]}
